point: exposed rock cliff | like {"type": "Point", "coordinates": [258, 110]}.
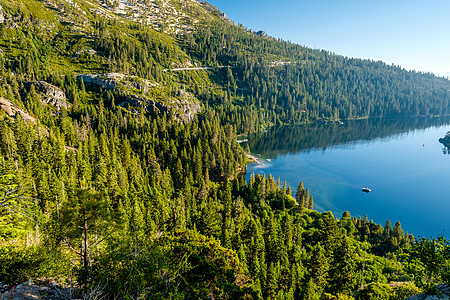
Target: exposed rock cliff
{"type": "Point", "coordinates": [168, 16]}
{"type": "Point", "coordinates": [9, 23]}
{"type": "Point", "coordinates": [49, 94]}
{"type": "Point", "coordinates": [139, 93]}
{"type": "Point", "coordinates": [2, 15]}
{"type": "Point", "coordinates": [13, 111]}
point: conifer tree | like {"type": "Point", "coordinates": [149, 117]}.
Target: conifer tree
{"type": "Point", "coordinates": [311, 203]}
{"type": "Point", "coordinates": [318, 267]}
{"type": "Point", "coordinates": [342, 277]}
{"type": "Point", "coordinates": [300, 194]}
{"type": "Point", "coordinates": [330, 234]}
{"type": "Point", "coordinates": [17, 209]}
{"type": "Point", "coordinates": [83, 223]}
{"type": "Point", "coordinates": [387, 230]}
{"type": "Point", "coordinates": [397, 231]}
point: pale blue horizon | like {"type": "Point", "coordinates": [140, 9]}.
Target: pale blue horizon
{"type": "Point", "coordinates": [412, 34]}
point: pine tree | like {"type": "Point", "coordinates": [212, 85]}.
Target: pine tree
{"type": "Point", "coordinates": [397, 231]}
{"type": "Point", "coordinates": [387, 230]}
{"type": "Point", "coordinates": [300, 195]}
{"type": "Point", "coordinates": [330, 234]}
{"type": "Point", "coordinates": [273, 275]}
{"type": "Point", "coordinates": [18, 211]}
{"type": "Point", "coordinates": [342, 277]}
{"type": "Point", "coordinates": [311, 203]}
{"type": "Point", "coordinates": [318, 268]}
{"type": "Point", "coordinates": [80, 218]}
{"type": "Point", "coordinates": [307, 198]}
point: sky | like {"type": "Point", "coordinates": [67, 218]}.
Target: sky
{"type": "Point", "coordinates": [410, 33]}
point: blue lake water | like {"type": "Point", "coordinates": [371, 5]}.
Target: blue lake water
{"type": "Point", "coordinates": [402, 162]}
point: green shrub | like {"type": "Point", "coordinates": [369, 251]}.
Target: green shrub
{"type": "Point", "coordinates": [17, 265]}
{"type": "Point", "coordinates": [404, 291]}
{"type": "Point", "coordinates": [375, 291]}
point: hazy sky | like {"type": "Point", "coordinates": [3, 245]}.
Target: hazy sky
{"type": "Point", "coordinates": [412, 34]}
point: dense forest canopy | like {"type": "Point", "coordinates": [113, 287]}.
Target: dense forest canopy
{"type": "Point", "coordinates": [119, 166]}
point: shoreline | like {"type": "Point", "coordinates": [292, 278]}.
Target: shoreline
{"type": "Point", "coordinates": [252, 158]}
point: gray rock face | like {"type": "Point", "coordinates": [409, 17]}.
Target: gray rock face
{"type": "Point", "coordinates": [50, 94]}
{"type": "Point", "coordinates": [138, 94]}
{"type": "Point", "coordinates": [108, 81]}
{"type": "Point", "coordinates": [2, 15]}
{"type": "Point", "coordinates": [187, 106]}
{"type": "Point", "coordinates": [443, 294]}
{"type": "Point", "coordinates": [31, 291]}
{"type": "Point", "coordinates": [13, 111]}
{"type": "Point", "coordinates": [9, 23]}
{"type": "Point", "coordinates": [180, 109]}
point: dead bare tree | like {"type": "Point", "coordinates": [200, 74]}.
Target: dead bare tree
{"type": "Point", "coordinates": [13, 200]}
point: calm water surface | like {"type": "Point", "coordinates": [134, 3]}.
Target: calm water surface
{"type": "Point", "coordinates": [402, 161]}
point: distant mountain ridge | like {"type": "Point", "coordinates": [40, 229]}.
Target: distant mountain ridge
{"type": "Point", "coordinates": [446, 75]}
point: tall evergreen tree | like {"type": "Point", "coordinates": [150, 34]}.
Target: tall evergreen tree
{"type": "Point", "coordinates": [300, 194]}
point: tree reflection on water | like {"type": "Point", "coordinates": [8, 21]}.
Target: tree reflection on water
{"type": "Point", "coordinates": [446, 142]}
{"type": "Point", "coordinates": [312, 137]}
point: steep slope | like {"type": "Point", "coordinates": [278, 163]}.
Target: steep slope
{"type": "Point", "coordinates": [267, 81]}
{"type": "Point", "coordinates": [121, 177]}
{"type": "Point", "coordinates": [49, 39]}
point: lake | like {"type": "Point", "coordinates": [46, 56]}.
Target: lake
{"type": "Point", "coordinates": [401, 160]}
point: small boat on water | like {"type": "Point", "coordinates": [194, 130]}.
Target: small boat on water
{"type": "Point", "coordinates": [366, 189]}
{"type": "Point", "coordinates": [268, 159]}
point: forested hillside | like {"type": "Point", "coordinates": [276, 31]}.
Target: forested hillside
{"type": "Point", "coordinates": [120, 174]}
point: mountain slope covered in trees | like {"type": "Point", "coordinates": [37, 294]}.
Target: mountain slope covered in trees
{"type": "Point", "coordinates": [119, 168]}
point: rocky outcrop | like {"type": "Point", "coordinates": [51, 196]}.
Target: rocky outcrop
{"type": "Point", "coordinates": [2, 15]}
{"type": "Point", "coordinates": [30, 291]}
{"type": "Point", "coordinates": [9, 23]}
{"type": "Point", "coordinates": [117, 82]}
{"type": "Point", "coordinates": [13, 111]}
{"type": "Point", "coordinates": [168, 16]}
{"type": "Point", "coordinates": [182, 109]}
{"type": "Point", "coordinates": [442, 293]}
{"type": "Point", "coordinates": [187, 106]}
{"type": "Point", "coordinates": [109, 81]}
{"type": "Point", "coordinates": [138, 94]}
{"type": "Point", "coordinates": [50, 94]}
